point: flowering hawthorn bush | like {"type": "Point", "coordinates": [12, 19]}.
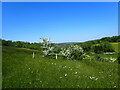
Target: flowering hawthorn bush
{"type": "Point", "coordinates": [73, 52]}
{"type": "Point", "coordinates": [47, 48]}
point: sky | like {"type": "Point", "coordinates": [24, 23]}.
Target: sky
{"type": "Point", "coordinates": [59, 21]}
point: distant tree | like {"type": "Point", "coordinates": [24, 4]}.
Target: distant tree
{"type": "Point", "coordinates": [7, 43]}
{"type": "Point", "coordinates": [106, 47]}
{"type": "Point", "coordinates": [111, 39]}
{"type": "Point", "coordinates": [97, 49]}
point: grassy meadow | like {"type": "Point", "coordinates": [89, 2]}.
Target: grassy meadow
{"type": "Point", "coordinates": [20, 70]}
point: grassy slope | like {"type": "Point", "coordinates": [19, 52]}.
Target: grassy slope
{"type": "Point", "coordinates": [21, 71]}
{"type": "Point", "coordinates": [116, 46]}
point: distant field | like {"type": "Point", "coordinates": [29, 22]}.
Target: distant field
{"type": "Point", "coordinates": [21, 71]}
{"type": "Point", "coordinates": [116, 46]}
{"type": "Point", "coordinates": [26, 49]}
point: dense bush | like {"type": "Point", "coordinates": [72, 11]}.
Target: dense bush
{"type": "Point", "coordinates": [98, 58]}
{"type": "Point", "coordinates": [97, 49]}
{"type": "Point", "coordinates": [86, 46]}
{"type": "Point", "coordinates": [107, 47]}
{"type": "Point", "coordinates": [102, 47]}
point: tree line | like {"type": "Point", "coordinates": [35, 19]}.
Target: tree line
{"type": "Point", "coordinates": [100, 45]}
{"type": "Point", "coordinates": [97, 46]}
{"type": "Point", "coordinates": [21, 44]}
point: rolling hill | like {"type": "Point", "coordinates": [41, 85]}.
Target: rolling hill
{"type": "Point", "coordinates": [20, 70]}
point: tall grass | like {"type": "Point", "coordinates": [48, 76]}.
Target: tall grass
{"type": "Point", "coordinates": [21, 71]}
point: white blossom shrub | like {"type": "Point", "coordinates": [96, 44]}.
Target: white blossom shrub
{"type": "Point", "coordinates": [46, 46]}
{"type": "Point", "coordinates": [73, 52]}
{"type": "Point", "coordinates": [112, 59]}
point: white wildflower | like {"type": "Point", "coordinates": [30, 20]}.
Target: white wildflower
{"type": "Point", "coordinates": [65, 75]}
{"type": "Point", "coordinates": [92, 77]}
{"type": "Point", "coordinates": [96, 79]}
{"type": "Point", "coordinates": [112, 59]}
{"type": "Point", "coordinates": [75, 72]}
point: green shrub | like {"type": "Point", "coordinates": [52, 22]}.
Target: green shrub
{"type": "Point", "coordinates": [118, 59]}
{"type": "Point", "coordinates": [98, 58]}
{"type": "Point", "coordinates": [103, 47]}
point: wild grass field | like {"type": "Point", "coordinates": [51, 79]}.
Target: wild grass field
{"type": "Point", "coordinates": [20, 70]}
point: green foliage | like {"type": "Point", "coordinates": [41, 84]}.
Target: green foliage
{"type": "Point", "coordinates": [97, 49]}
{"type": "Point", "coordinates": [20, 44]}
{"type": "Point", "coordinates": [98, 58]}
{"type": "Point", "coordinates": [107, 47]}
{"type": "Point", "coordinates": [118, 58]}
{"type": "Point", "coordinates": [76, 55]}
{"type": "Point", "coordinates": [116, 46]}
{"type": "Point", "coordinates": [111, 39]}
{"type": "Point", "coordinates": [86, 46]}
{"type": "Point", "coordinates": [102, 47]}
{"type": "Point", "coordinates": [57, 50]}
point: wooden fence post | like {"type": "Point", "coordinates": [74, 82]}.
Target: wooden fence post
{"type": "Point", "coordinates": [56, 56]}
{"type": "Point", "coordinates": [33, 55]}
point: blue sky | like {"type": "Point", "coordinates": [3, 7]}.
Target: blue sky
{"type": "Point", "coordinates": [60, 21]}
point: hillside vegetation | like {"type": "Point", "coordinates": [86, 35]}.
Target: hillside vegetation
{"type": "Point", "coordinates": [85, 45]}
{"type": "Point", "coordinates": [91, 64]}
{"type": "Point", "coordinates": [20, 70]}
{"type": "Point", "coordinates": [116, 46]}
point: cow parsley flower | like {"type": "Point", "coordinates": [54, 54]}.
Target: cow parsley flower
{"type": "Point", "coordinates": [75, 72]}
{"type": "Point", "coordinates": [65, 75]}
{"type": "Point", "coordinates": [112, 59]}
{"type": "Point", "coordinates": [96, 79]}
